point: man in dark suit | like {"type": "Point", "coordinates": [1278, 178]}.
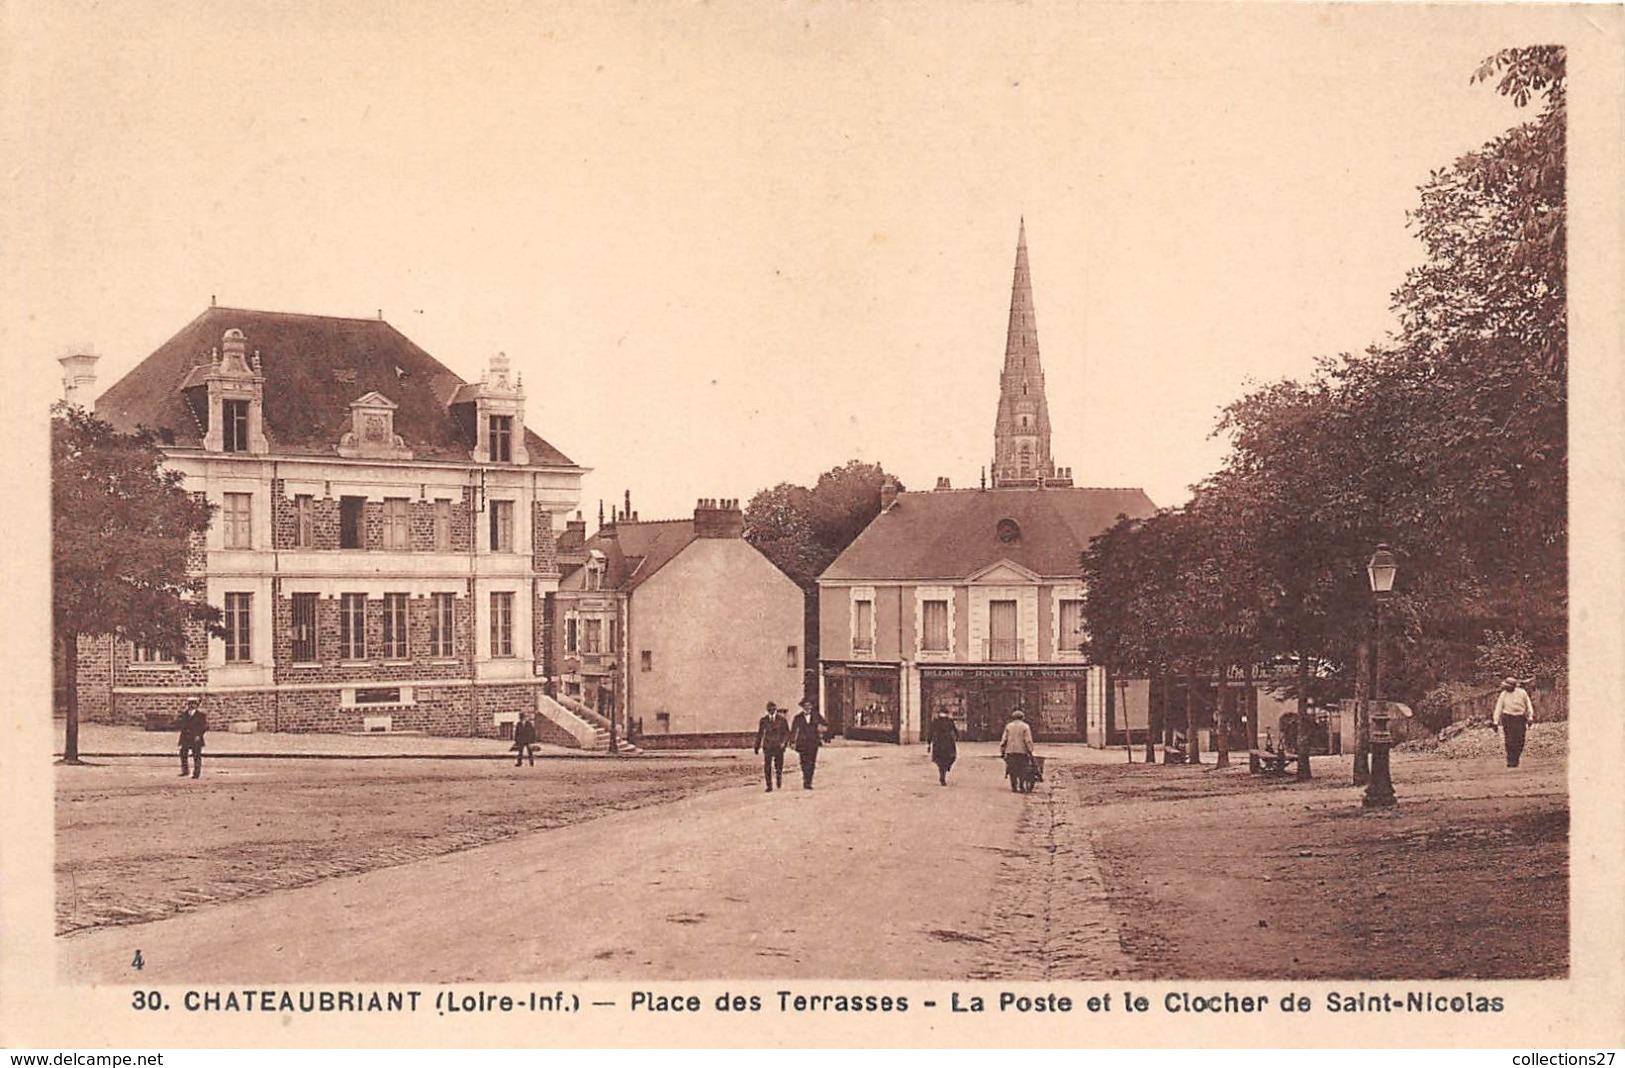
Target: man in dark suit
{"type": "Point", "coordinates": [807, 734]}
{"type": "Point", "coordinates": [193, 725]}
{"type": "Point", "coordinates": [772, 734]}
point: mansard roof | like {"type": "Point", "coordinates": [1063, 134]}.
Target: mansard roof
{"type": "Point", "coordinates": [315, 367]}
{"type": "Point", "coordinates": [948, 535]}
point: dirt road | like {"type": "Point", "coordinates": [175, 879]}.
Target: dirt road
{"type": "Point", "coordinates": [877, 872]}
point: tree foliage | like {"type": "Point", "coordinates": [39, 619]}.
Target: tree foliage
{"type": "Point", "coordinates": [1448, 441]}
{"type": "Point", "coordinates": [122, 527]}
{"type": "Point", "coordinates": [803, 530]}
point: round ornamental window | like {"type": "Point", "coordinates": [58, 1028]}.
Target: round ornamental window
{"type": "Point", "coordinates": [1009, 531]}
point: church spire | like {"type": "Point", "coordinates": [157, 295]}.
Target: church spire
{"type": "Point", "coordinates": [1021, 440]}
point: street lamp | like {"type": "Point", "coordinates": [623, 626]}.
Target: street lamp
{"type": "Point", "coordinates": [1379, 790]}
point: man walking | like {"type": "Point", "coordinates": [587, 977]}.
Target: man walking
{"type": "Point", "coordinates": [1514, 711]}
{"type": "Point", "coordinates": [193, 725]}
{"type": "Point", "coordinates": [772, 735]}
{"type": "Point", "coordinates": [806, 733]}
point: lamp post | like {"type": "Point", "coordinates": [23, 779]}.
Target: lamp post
{"type": "Point", "coordinates": [1379, 789]}
{"type": "Point", "coordinates": [1122, 710]}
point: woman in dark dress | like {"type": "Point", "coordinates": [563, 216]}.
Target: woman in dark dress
{"type": "Point", "coordinates": [944, 741]}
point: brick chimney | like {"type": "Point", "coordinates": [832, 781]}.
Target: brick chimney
{"type": "Point", "coordinates": [78, 376]}
{"type": "Point", "coordinates": [574, 537]}
{"type": "Point", "coordinates": [943, 483]}
{"type": "Point", "coordinates": [888, 493]}
{"type": "Point", "coordinates": [718, 519]}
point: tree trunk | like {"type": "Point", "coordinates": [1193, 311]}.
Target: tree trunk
{"type": "Point", "coordinates": [1193, 743]}
{"type": "Point", "coordinates": [1362, 713]}
{"type": "Point", "coordinates": [1221, 739]}
{"type": "Point", "coordinates": [70, 673]}
{"type": "Point", "coordinates": [1167, 709]}
{"type": "Point", "coordinates": [1303, 731]}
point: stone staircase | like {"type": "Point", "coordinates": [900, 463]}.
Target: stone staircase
{"type": "Point", "coordinates": [589, 730]}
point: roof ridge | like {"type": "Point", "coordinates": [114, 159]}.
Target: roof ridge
{"type": "Point", "coordinates": [303, 315]}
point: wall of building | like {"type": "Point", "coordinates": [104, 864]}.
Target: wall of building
{"type": "Point", "coordinates": [717, 621]}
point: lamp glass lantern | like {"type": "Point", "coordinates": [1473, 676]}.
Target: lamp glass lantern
{"type": "Point", "coordinates": [1381, 570]}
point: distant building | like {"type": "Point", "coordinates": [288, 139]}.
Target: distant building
{"type": "Point", "coordinates": [971, 600]}
{"type": "Point", "coordinates": [385, 533]}
{"type": "Point", "coordinates": [680, 631]}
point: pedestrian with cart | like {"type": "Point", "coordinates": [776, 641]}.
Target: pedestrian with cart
{"type": "Point", "coordinates": [1017, 749]}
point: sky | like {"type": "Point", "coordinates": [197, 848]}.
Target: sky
{"type": "Point", "coordinates": [729, 245]}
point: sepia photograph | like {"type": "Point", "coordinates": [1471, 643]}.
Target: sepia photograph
{"type": "Point", "coordinates": [550, 520]}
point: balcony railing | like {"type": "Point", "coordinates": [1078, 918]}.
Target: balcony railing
{"type": "Point", "coordinates": [1001, 649]}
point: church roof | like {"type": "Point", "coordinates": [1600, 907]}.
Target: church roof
{"type": "Point", "coordinates": [314, 366]}
{"type": "Point", "coordinates": [947, 535]}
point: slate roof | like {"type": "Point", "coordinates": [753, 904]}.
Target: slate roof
{"type": "Point", "coordinates": [947, 535]}
{"type": "Point", "coordinates": [635, 553]}
{"type": "Point", "coordinates": [314, 367]}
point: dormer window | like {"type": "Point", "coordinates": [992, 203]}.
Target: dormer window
{"type": "Point", "coordinates": [501, 430]}
{"type": "Point", "coordinates": [1009, 531]}
{"type": "Point", "coordinates": [234, 425]}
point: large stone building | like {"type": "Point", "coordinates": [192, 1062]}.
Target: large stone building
{"type": "Point", "coordinates": [679, 631]}
{"type": "Point", "coordinates": [970, 600]}
{"type": "Point", "coordinates": [384, 539]}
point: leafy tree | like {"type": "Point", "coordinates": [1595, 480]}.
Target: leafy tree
{"type": "Point", "coordinates": [122, 527]}
{"type": "Point", "coordinates": [803, 530]}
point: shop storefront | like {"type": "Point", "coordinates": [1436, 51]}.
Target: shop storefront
{"type": "Point", "coordinates": [861, 701]}
{"type": "Point", "coordinates": [1056, 700]}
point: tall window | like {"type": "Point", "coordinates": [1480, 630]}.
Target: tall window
{"type": "Point", "coordinates": [646, 660]}
{"type": "Point", "coordinates": [234, 425]}
{"type": "Point", "coordinates": [352, 528]}
{"type": "Point", "coordinates": [1071, 629]}
{"type": "Point", "coordinates": [303, 650]}
{"type": "Point", "coordinates": [592, 635]}
{"type": "Point", "coordinates": [397, 533]}
{"type": "Point", "coordinates": [501, 526]}
{"type": "Point", "coordinates": [441, 619]}
{"type": "Point", "coordinates": [353, 626]}
{"type": "Point", "coordinates": [502, 624]}
{"type": "Point", "coordinates": [571, 644]}
{"type": "Point", "coordinates": [863, 626]}
{"type": "Point", "coordinates": [934, 626]}
{"type": "Point", "coordinates": [501, 438]}
{"type": "Point", "coordinates": [442, 525]}
{"type": "Point", "coordinates": [237, 520]}
{"type": "Point", "coordinates": [395, 647]}
{"type": "Point", "coordinates": [304, 521]}
{"type": "Point", "coordinates": [236, 621]}
{"type": "Point", "coordinates": [1003, 643]}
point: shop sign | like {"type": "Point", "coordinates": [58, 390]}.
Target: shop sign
{"type": "Point", "coordinates": [1004, 672]}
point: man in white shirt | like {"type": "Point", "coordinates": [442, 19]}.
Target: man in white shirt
{"type": "Point", "coordinates": [1513, 714]}
{"type": "Point", "coordinates": [1016, 746]}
